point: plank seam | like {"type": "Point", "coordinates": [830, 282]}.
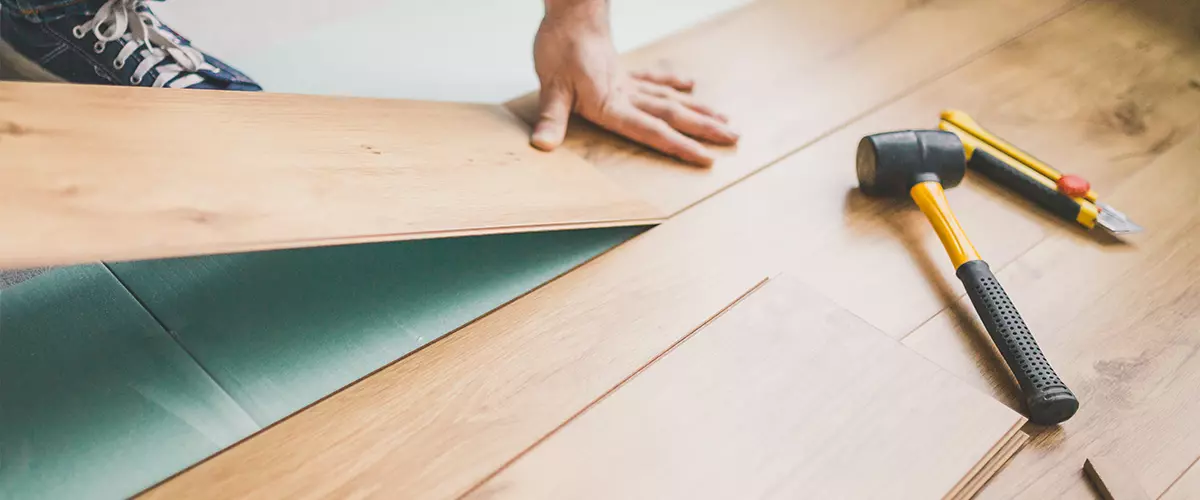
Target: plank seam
{"type": "Point", "coordinates": [612, 390]}
{"type": "Point", "coordinates": [1178, 478]}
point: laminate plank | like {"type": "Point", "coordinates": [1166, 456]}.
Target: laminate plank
{"type": "Point", "coordinates": [457, 410]}
{"type": "Point", "coordinates": [96, 172]}
{"type": "Point", "coordinates": [1186, 487]}
{"type": "Point", "coordinates": [1118, 322]}
{"type": "Point", "coordinates": [785, 395]}
{"type": "Point", "coordinates": [1113, 480]}
{"type": "Point", "coordinates": [790, 71]}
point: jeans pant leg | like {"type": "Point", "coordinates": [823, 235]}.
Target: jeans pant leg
{"type": "Point", "coordinates": [49, 10]}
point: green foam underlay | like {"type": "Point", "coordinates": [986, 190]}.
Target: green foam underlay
{"type": "Point", "coordinates": [279, 330]}
{"type": "Point", "coordinates": [97, 400]}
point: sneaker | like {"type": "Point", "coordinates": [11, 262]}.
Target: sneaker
{"type": "Point", "coordinates": [120, 43]}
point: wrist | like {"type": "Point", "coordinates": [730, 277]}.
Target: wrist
{"type": "Point", "coordinates": [584, 13]}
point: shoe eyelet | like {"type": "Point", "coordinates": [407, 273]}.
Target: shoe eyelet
{"type": "Point", "coordinates": [99, 47]}
{"type": "Point", "coordinates": [79, 32]}
{"type": "Point", "coordinates": [118, 64]}
{"type": "Point", "coordinates": [136, 80]}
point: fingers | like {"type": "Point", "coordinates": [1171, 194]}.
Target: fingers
{"type": "Point", "coordinates": [685, 119]}
{"type": "Point", "coordinates": [664, 78]}
{"type": "Point", "coordinates": [555, 107]}
{"type": "Point", "coordinates": [666, 92]}
{"type": "Point", "coordinates": [635, 124]}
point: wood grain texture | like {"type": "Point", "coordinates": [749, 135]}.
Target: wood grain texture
{"type": "Point", "coordinates": [450, 414]}
{"type": "Point", "coordinates": [790, 71]}
{"type": "Point", "coordinates": [95, 172]}
{"type": "Point", "coordinates": [1186, 487]}
{"type": "Point", "coordinates": [1112, 480]}
{"type": "Point", "coordinates": [785, 395]}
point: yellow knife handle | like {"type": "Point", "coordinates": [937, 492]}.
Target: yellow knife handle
{"type": "Point", "coordinates": [964, 122]}
{"type": "Point", "coordinates": [1020, 178]}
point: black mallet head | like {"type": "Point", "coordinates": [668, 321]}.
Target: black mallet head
{"type": "Point", "coordinates": [889, 164]}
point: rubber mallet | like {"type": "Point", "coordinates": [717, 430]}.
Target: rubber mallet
{"type": "Point", "coordinates": [919, 163]}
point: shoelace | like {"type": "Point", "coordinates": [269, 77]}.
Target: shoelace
{"type": "Point", "coordinates": [128, 21]}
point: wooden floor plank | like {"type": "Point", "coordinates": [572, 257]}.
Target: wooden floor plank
{"type": "Point", "coordinates": [160, 173]}
{"type": "Point", "coordinates": [1113, 479]}
{"type": "Point", "coordinates": [789, 71]}
{"type": "Point", "coordinates": [785, 395]}
{"type": "Point", "coordinates": [1186, 487]}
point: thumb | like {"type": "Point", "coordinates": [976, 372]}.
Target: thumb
{"type": "Point", "coordinates": [555, 107]}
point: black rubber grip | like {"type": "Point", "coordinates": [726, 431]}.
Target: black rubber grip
{"type": "Point", "coordinates": [1047, 398]}
{"type": "Point", "coordinates": [1004, 174]}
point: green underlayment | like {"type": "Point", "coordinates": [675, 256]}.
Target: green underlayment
{"type": "Point", "coordinates": [97, 400]}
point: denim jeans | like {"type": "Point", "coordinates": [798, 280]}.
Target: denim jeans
{"type": "Point", "coordinates": [50, 10]}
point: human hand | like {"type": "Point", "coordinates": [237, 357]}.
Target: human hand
{"type": "Point", "coordinates": [579, 71]}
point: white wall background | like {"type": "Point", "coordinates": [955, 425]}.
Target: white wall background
{"type": "Point", "coordinates": [460, 50]}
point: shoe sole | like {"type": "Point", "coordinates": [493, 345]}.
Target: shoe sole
{"type": "Point", "coordinates": [15, 66]}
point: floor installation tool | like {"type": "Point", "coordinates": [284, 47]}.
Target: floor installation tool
{"type": "Point", "coordinates": [1067, 196]}
{"type": "Point", "coordinates": [920, 162]}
